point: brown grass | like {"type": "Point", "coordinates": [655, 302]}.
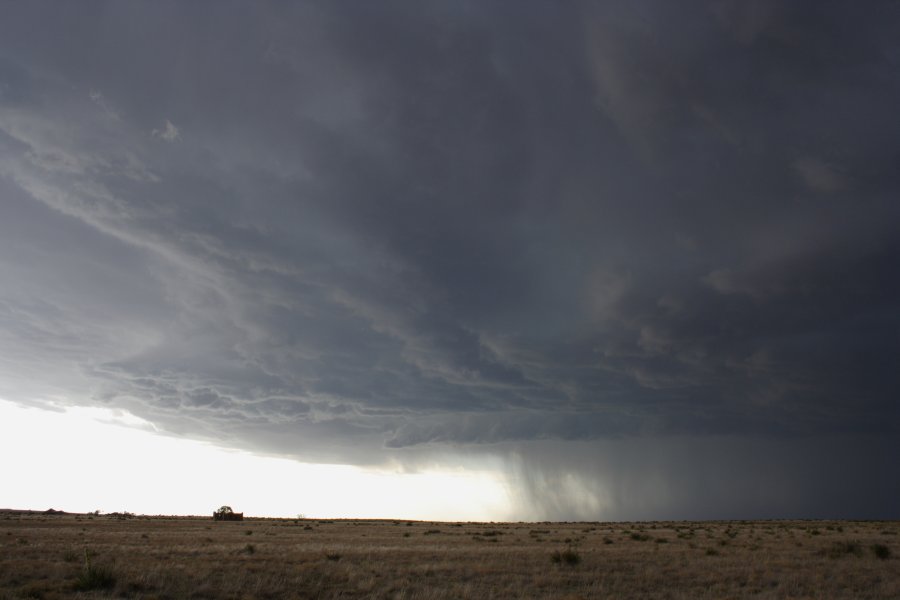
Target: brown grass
{"type": "Point", "coordinates": [42, 557]}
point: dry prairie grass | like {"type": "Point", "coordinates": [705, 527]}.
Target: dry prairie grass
{"type": "Point", "coordinates": [159, 558]}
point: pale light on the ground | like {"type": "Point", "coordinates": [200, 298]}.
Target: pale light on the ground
{"type": "Point", "coordinates": [81, 459]}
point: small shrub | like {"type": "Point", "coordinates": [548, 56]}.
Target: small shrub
{"type": "Point", "coordinates": [712, 552]}
{"type": "Point", "coordinates": [839, 549]}
{"type": "Point", "coordinates": [333, 556]}
{"type": "Point", "coordinates": [567, 556]}
{"type": "Point", "coordinates": [662, 541]}
{"type": "Point", "coordinates": [249, 548]}
{"type": "Point", "coordinates": [881, 551]}
{"type": "Point", "coordinates": [640, 537]}
{"type": "Point", "coordinates": [607, 540]}
{"type": "Point", "coordinates": [432, 531]}
{"type": "Point", "coordinates": [248, 532]}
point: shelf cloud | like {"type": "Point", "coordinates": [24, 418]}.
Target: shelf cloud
{"type": "Point", "coordinates": [557, 233]}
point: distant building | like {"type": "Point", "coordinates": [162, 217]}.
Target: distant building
{"type": "Point", "coordinates": [226, 514]}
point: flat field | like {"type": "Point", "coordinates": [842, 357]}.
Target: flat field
{"type": "Point", "coordinates": [56, 556]}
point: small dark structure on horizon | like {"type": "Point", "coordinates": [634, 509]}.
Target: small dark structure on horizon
{"type": "Point", "coordinates": [226, 514]}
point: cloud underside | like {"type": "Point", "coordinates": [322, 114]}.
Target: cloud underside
{"type": "Point", "coordinates": [382, 229]}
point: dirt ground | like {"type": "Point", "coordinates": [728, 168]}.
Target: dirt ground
{"type": "Point", "coordinates": [121, 556]}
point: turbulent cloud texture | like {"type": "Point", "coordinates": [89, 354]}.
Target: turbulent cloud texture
{"type": "Point", "coordinates": [354, 231]}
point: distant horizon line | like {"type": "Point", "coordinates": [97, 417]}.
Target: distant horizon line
{"type": "Point", "coordinates": [130, 515]}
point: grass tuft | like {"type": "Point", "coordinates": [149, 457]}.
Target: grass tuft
{"type": "Point", "coordinates": [70, 556]}
{"type": "Point", "coordinates": [94, 577]}
{"type": "Point", "coordinates": [881, 551]}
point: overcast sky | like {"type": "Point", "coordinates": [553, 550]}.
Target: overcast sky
{"type": "Point", "coordinates": [642, 254]}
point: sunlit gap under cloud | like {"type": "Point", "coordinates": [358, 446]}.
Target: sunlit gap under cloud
{"type": "Point", "coordinates": [83, 459]}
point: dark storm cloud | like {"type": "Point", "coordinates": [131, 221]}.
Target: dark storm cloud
{"type": "Point", "coordinates": [324, 229]}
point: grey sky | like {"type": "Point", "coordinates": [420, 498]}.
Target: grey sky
{"type": "Point", "coordinates": [557, 232]}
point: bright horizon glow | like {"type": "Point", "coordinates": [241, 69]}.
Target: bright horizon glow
{"type": "Point", "coordinates": [84, 459]}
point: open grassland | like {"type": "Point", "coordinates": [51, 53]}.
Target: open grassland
{"type": "Point", "coordinates": [55, 556]}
